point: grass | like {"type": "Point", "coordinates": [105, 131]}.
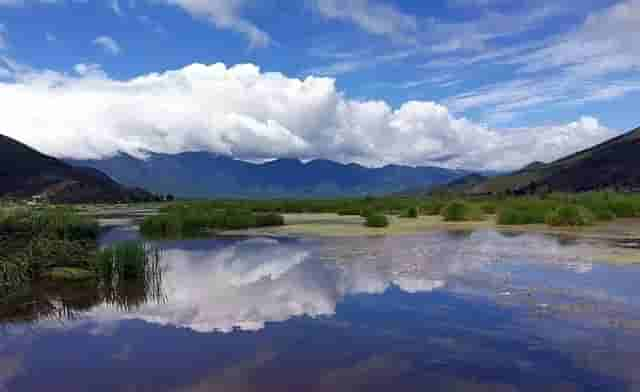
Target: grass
{"type": "Point", "coordinates": [570, 215]}
{"type": "Point", "coordinates": [192, 219]}
{"type": "Point", "coordinates": [70, 274]}
{"type": "Point", "coordinates": [130, 274]}
{"type": "Point", "coordinates": [126, 261]}
{"type": "Point", "coordinates": [37, 241]}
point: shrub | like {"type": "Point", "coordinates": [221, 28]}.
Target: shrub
{"type": "Point", "coordinates": [412, 212]}
{"type": "Point", "coordinates": [377, 220]}
{"type": "Point", "coordinates": [458, 211]}
{"type": "Point", "coordinates": [570, 215]}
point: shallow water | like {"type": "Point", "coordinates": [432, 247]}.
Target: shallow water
{"type": "Point", "coordinates": [449, 311]}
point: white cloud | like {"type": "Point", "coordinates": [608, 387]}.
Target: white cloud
{"type": "Point", "coordinates": [108, 44]}
{"type": "Point", "coordinates": [243, 112]}
{"type": "Point", "coordinates": [225, 14]}
{"type": "Point", "coordinates": [371, 16]}
{"type": "Point", "coordinates": [606, 42]}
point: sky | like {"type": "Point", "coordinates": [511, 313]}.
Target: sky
{"type": "Point", "coordinates": [473, 84]}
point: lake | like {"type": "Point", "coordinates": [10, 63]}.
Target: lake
{"type": "Point", "coordinates": [442, 311]}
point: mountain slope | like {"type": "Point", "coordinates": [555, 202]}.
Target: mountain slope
{"type": "Point", "coordinates": [25, 172]}
{"type": "Point", "coordinates": [614, 164]}
{"type": "Point", "coordinates": [202, 174]}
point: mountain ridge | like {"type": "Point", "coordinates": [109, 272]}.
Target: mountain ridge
{"type": "Point", "coordinates": [26, 172]}
{"type": "Point", "coordinates": [612, 164]}
{"type": "Point", "coordinates": [200, 174]}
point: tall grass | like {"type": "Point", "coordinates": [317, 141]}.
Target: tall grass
{"type": "Point", "coordinates": [196, 218]}
{"type": "Point", "coordinates": [130, 274]}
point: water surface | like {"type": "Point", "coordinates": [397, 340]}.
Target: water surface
{"type": "Point", "coordinates": [464, 311]}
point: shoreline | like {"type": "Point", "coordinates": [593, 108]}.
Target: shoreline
{"type": "Point", "coordinates": [615, 242]}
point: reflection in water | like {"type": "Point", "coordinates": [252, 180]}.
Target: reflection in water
{"type": "Point", "coordinates": [455, 311]}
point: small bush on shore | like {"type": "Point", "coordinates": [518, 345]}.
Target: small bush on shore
{"type": "Point", "coordinates": [377, 220]}
{"type": "Point", "coordinates": [411, 212]}
{"type": "Point", "coordinates": [459, 211]}
{"type": "Point", "coordinates": [570, 215]}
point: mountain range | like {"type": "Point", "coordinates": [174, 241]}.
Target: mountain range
{"type": "Point", "coordinates": [612, 165]}
{"type": "Point", "coordinates": [25, 172]}
{"type": "Point", "coordinates": [206, 175]}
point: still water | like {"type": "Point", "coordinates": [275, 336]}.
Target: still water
{"type": "Point", "coordinates": [444, 311]}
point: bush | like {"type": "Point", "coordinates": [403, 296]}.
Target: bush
{"type": "Point", "coordinates": [412, 212]}
{"type": "Point", "coordinates": [377, 220]}
{"type": "Point", "coordinates": [459, 211]}
{"type": "Point", "coordinates": [570, 215]}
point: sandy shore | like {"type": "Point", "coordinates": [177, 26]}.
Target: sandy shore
{"type": "Point", "coordinates": [616, 241]}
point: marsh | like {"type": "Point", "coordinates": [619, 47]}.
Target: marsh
{"type": "Point", "coordinates": [455, 309]}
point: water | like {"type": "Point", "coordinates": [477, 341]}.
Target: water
{"type": "Point", "coordinates": [446, 311]}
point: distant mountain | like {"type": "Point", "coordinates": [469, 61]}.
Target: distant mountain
{"type": "Point", "coordinates": [205, 175]}
{"type": "Point", "coordinates": [25, 172]}
{"type": "Point", "coordinates": [614, 164]}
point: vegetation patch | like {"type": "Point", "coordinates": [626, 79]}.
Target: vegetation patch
{"type": "Point", "coordinates": [192, 219]}
{"type": "Point", "coordinates": [412, 212]}
{"type": "Point", "coordinates": [70, 274]}
{"type": "Point", "coordinates": [377, 220]}
{"type": "Point", "coordinates": [460, 211]}
{"type": "Point", "coordinates": [39, 241]}
{"type": "Point", "coordinates": [570, 215]}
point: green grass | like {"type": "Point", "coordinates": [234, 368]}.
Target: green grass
{"type": "Point", "coordinates": [460, 211]}
{"type": "Point", "coordinates": [70, 274]}
{"type": "Point", "coordinates": [37, 241]}
{"type": "Point", "coordinates": [126, 261]}
{"type": "Point", "coordinates": [192, 219]}
{"type": "Point", "coordinates": [376, 220]}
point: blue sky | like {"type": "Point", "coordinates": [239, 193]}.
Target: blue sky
{"type": "Point", "coordinates": [492, 83]}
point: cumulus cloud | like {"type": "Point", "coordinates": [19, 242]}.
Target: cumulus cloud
{"type": "Point", "coordinates": [225, 14]}
{"type": "Point", "coordinates": [242, 112]}
{"type": "Point", "coordinates": [108, 44]}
